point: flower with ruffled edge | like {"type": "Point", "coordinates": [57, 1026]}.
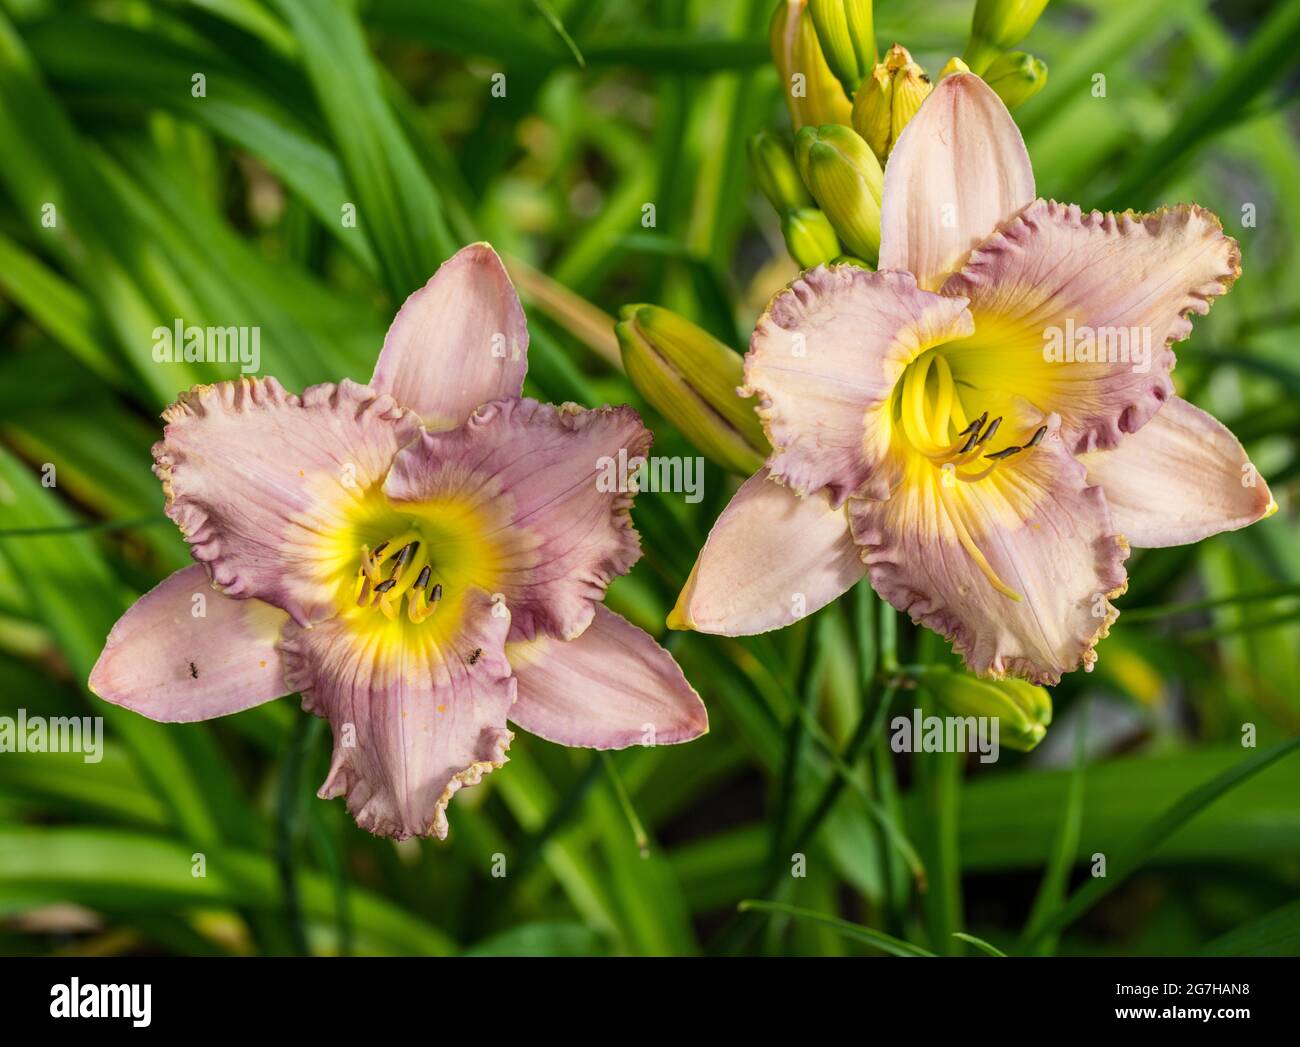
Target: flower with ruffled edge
{"type": "Point", "coordinates": [934, 428]}
{"type": "Point", "coordinates": [423, 559]}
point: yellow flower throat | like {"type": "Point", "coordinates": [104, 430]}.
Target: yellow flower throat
{"type": "Point", "coordinates": [406, 570]}
{"type": "Point", "coordinates": [927, 410]}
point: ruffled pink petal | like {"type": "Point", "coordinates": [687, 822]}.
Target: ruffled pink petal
{"type": "Point", "coordinates": [457, 342]}
{"type": "Point", "coordinates": [771, 559]}
{"type": "Point", "coordinates": [416, 715]}
{"type": "Point", "coordinates": [551, 485]}
{"type": "Point", "coordinates": [610, 688]}
{"type": "Point", "coordinates": [959, 170]}
{"type": "Point", "coordinates": [1180, 478]}
{"type": "Point", "coordinates": [1042, 529]}
{"type": "Point", "coordinates": [259, 479]}
{"type": "Point", "coordinates": [184, 652]}
{"type": "Point", "coordinates": [1053, 274]}
{"type": "Point", "coordinates": [823, 361]}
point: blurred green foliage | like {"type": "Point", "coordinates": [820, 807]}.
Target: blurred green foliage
{"type": "Point", "coordinates": [225, 207]}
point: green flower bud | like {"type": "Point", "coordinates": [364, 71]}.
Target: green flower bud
{"type": "Point", "coordinates": [1016, 77]}
{"type": "Point", "coordinates": [809, 237]}
{"type": "Point", "coordinates": [997, 26]}
{"type": "Point", "coordinates": [845, 179]}
{"type": "Point", "coordinates": [812, 93]}
{"type": "Point", "coordinates": [888, 99]}
{"type": "Point", "coordinates": [774, 171]}
{"type": "Point", "coordinates": [691, 378]}
{"type": "Point", "coordinates": [847, 38]}
{"type": "Point", "coordinates": [1024, 710]}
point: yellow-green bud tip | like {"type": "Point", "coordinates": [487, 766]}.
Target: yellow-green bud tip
{"type": "Point", "coordinates": [847, 37]}
{"type": "Point", "coordinates": [690, 378]}
{"type": "Point", "coordinates": [998, 25]}
{"type": "Point", "coordinates": [1022, 709]}
{"type": "Point", "coordinates": [809, 237]}
{"type": "Point", "coordinates": [846, 180]}
{"type": "Point", "coordinates": [888, 99]}
{"type": "Point", "coordinates": [1016, 77]}
{"type": "Point", "coordinates": [812, 93]}
{"type": "Point", "coordinates": [775, 173]}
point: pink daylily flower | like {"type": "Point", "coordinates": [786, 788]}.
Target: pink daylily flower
{"type": "Point", "coordinates": [926, 436]}
{"type": "Point", "coordinates": [423, 558]}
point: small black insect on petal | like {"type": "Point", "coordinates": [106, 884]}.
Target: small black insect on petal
{"type": "Point", "coordinates": [475, 656]}
{"type": "Point", "coordinates": [194, 671]}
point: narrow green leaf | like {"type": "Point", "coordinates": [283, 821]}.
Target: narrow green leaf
{"type": "Point", "coordinates": [129, 66]}
{"type": "Point", "coordinates": [557, 26]}
{"type": "Point", "coordinates": [108, 868]}
{"type": "Point", "coordinates": [877, 939]}
{"type": "Point", "coordinates": [541, 939]}
{"type": "Point", "coordinates": [1276, 592]}
{"type": "Point", "coordinates": [1051, 892]}
{"type": "Point", "coordinates": [1275, 934]}
{"type": "Point", "coordinates": [1137, 853]}
{"type": "Point", "coordinates": [979, 943]}
{"type": "Point", "coordinates": [396, 206]}
{"type": "Point", "coordinates": [58, 307]}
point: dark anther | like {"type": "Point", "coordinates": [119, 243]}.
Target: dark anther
{"type": "Point", "coordinates": [993, 428]}
{"type": "Point", "coordinates": [1037, 438]}
{"type": "Point", "coordinates": [1006, 452]}
{"type": "Point", "coordinates": [383, 587]}
{"type": "Point", "coordinates": [436, 595]}
{"type": "Point", "coordinates": [423, 580]}
{"type": "Point", "coordinates": [379, 549]}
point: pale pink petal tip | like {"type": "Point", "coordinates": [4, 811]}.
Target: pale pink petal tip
{"type": "Point", "coordinates": [771, 558]}
{"type": "Point", "coordinates": [959, 170]}
{"type": "Point", "coordinates": [1180, 478]}
{"type": "Point", "coordinates": [611, 688]}
{"type": "Point", "coordinates": [458, 342]}
{"type": "Point", "coordinates": [184, 652]}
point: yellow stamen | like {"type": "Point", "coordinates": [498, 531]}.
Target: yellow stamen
{"type": "Point", "coordinates": [916, 426]}
{"type": "Point", "coordinates": [943, 406]}
{"type": "Point", "coordinates": [421, 604]}
{"type": "Point", "coordinates": [968, 543]}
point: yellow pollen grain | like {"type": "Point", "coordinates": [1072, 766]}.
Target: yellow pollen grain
{"type": "Point", "coordinates": [442, 708]}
